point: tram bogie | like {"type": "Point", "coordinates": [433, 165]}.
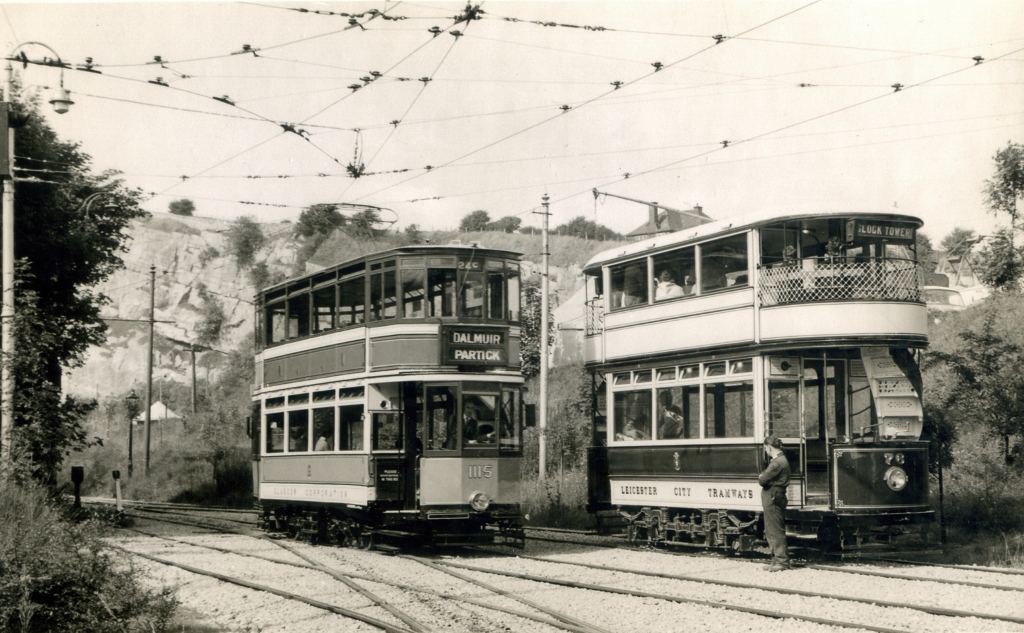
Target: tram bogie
{"type": "Point", "coordinates": [802, 327]}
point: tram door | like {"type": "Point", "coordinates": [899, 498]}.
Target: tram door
{"type": "Point", "coordinates": [412, 402]}
{"type": "Point", "coordinates": [824, 419]}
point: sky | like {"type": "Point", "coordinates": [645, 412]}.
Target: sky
{"type": "Point", "coordinates": [736, 106]}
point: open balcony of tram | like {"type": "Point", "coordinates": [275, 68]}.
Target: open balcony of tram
{"type": "Point", "coordinates": [852, 277]}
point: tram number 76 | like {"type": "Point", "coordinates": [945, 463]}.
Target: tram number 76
{"type": "Point", "coordinates": [477, 471]}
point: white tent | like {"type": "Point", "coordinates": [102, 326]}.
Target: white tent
{"type": "Point", "coordinates": [158, 411]}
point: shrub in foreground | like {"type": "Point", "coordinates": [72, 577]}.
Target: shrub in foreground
{"type": "Point", "coordinates": [558, 501]}
{"type": "Point", "coordinates": [56, 575]}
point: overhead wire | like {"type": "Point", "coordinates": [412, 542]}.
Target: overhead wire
{"type": "Point", "coordinates": [587, 102]}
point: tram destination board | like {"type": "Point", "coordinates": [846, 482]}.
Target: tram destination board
{"type": "Point", "coordinates": [889, 231]}
{"type": "Point", "coordinates": [474, 345]}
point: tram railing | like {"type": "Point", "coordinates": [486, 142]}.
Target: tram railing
{"type": "Point", "coordinates": [595, 316]}
{"type": "Point", "coordinates": [833, 279]}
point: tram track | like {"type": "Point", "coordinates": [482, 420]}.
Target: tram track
{"type": "Point", "coordinates": [348, 579]}
{"type": "Point", "coordinates": [574, 626]}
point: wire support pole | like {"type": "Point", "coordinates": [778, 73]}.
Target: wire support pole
{"type": "Point", "coordinates": [149, 362]}
{"type": "Point", "coordinates": [543, 440]}
{"type": "Point", "coordinates": [7, 313]}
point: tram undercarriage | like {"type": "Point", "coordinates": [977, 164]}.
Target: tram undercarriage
{"type": "Point", "coordinates": [363, 529]}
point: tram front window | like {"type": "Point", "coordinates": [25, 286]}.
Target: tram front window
{"type": "Point", "coordinates": [479, 418]}
{"type": "Point", "coordinates": [413, 293]}
{"type": "Point", "coordinates": [508, 424]}
{"type": "Point", "coordinates": [471, 295]}
{"type": "Point", "coordinates": [633, 415]}
{"type": "Point", "coordinates": [441, 292]}
{"type": "Point", "coordinates": [824, 405]}
{"type": "Point", "coordinates": [784, 409]}
{"type": "Point", "coordinates": [442, 425]}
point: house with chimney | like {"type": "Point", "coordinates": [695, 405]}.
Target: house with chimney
{"type": "Point", "coordinates": [662, 219]}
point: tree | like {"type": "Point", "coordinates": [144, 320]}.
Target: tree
{"type": "Point", "coordinates": [507, 224]}
{"type": "Point", "coordinates": [475, 221]}
{"type": "Point", "coordinates": [1007, 185]}
{"type": "Point", "coordinates": [582, 227]}
{"type": "Point", "coordinates": [414, 234]}
{"type": "Point", "coordinates": [958, 241]}
{"type": "Point", "coordinates": [363, 225]}
{"type": "Point", "coordinates": [319, 221]}
{"type": "Point", "coordinates": [924, 246]}
{"type": "Point", "coordinates": [182, 207]}
{"type": "Point", "coordinates": [530, 324]}
{"type": "Point", "coordinates": [987, 384]}
{"type": "Point", "coordinates": [62, 256]}
{"type": "Point", "coordinates": [245, 238]}
{"type": "Point", "coordinates": [1002, 265]}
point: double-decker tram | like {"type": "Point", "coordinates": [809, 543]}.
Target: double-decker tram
{"type": "Point", "coordinates": [704, 341]}
{"type": "Point", "coordinates": [388, 399]}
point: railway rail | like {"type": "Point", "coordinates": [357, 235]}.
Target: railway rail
{"type": "Point", "coordinates": [583, 627]}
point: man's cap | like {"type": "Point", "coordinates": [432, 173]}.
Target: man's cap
{"type": "Point", "coordinates": [773, 441]}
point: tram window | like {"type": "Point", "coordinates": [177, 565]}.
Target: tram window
{"type": "Point", "coordinates": [275, 432]}
{"type": "Point", "coordinates": [723, 263]}
{"type": "Point", "coordinates": [688, 372]}
{"type": "Point", "coordinates": [383, 296]}
{"type": "Point", "coordinates": [275, 323]}
{"type": "Point", "coordinates": [898, 251]}
{"type": "Point", "coordinates": [674, 274]}
{"type": "Point", "coordinates": [387, 432]}
{"type": "Point", "coordinates": [261, 332]}
{"type": "Point", "coordinates": [784, 409]}
{"type": "Point", "coordinates": [861, 413]}
{"type": "Point", "coordinates": [621, 379]}
{"type": "Point", "coordinates": [298, 398]}
{"type": "Point", "coordinates": [442, 426]}
{"type": "Point", "coordinates": [413, 293]}
{"type": "Point", "coordinates": [351, 302]}
{"type": "Point", "coordinates": [744, 366]}
{"type": "Point", "coordinates": [729, 410]}
{"type": "Point", "coordinates": [350, 428]}
{"type": "Point", "coordinates": [323, 429]}
{"type": "Point", "coordinates": [479, 418]}
{"type": "Point", "coordinates": [441, 292]}
{"type": "Point", "coordinates": [633, 415]}
{"type": "Point", "coordinates": [390, 294]}
{"type": "Point", "coordinates": [350, 392]}
{"type": "Point", "coordinates": [495, 291]}
{"type": "Point", "coordinates": [471, 295]}
{"type": "Point", "coordinates": [323, 309]}
{"type": "Point", "coordinates": [629, 284]}
{"type": "Point", "coordinates": [822, 411]}
{"type": "Point", "coordinates": [298, 431]}
{"type": "Point", "coordinates": [668, 373]}
{"type": "Point", "coordinates": [779, 244]}
{"type": "Point", "coordinates": [642, 377]}
{"type": "Point", "coordinates": [275, 402]}
{"type": "Point", "coordinates": [512, 272]}
{"type": "Point", "coordinates": [323, 396]}
{"type": "Point", "coordinates": [678, 412]}
{"type": "Point", "coordinates": [510, 440]}
{"type": "Point", "coordinates": [714, 369]}
{"type": "Point", "coordinates": [298, 316]}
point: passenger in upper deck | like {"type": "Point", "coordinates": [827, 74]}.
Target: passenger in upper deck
{"type": "Point", "coordinates": [667, 287]}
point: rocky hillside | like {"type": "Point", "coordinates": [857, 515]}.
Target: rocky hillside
{"type": "Point", "coordinates": [199, 285]}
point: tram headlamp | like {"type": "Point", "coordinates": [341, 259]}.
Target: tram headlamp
{"type": "Point", "coordinates": [896, 478]}
{"type": "Point", "coordinates": [479, 501]}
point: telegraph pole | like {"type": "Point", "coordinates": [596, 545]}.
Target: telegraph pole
{"type": "Point", "coordinates": [149, 361]}
{"type": "Point", "coordinates": [543, 448]}
{"type": "Point", "coordinates": [192, 349]}
{"type": "Point", "coordinates": [7, 314]}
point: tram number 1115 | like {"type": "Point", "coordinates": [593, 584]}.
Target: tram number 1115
{"type": "Point", "coordinates": [478, 471]}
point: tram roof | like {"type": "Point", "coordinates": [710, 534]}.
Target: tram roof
{"type": "Point", "coordinates": [733, 225]}
{"type": "Point", "coordinates": [414, 249]}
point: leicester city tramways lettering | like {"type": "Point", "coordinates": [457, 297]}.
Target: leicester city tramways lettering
{"type": "Point", "coordinates": [647, 491]}
{"type": "Point", "coordinates": [692, 491]}
{"type": "Point", "coordinates": [730, 493]}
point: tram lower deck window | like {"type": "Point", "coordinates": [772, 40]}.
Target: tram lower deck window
{"type": "Point", "coordinates": [275, 433]}
{"type": "Point", "coordinates": [323, 429]}
{"type": "Point", "coordinates": [350, 428]}
{"type": "Point", "coordinates": [729, 410]}
{"type": "Point", "coordinates": [633, 415]}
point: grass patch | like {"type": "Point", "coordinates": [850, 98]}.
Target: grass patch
{"type": "Point", "coordinates": [57, 575]}
{"type": "Point", "coordinates": [558, 501]}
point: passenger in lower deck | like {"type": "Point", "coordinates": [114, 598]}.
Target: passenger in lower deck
{"type": "Point", "coordinates": [774, 481]}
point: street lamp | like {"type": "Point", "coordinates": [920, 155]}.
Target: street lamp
{"type": "Point", "coordinates": [131, 403]}
{"type": "Point", "coordinates": [61, 101]}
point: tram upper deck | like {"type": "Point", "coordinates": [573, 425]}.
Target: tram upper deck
{"type": "Point", "coordinates": [763, 280]}
{"type": "Point", "coordinates": [420, 309]}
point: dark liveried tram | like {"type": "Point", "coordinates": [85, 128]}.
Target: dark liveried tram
{"type": "Point", "coordinates": [388, 399]}
{"type": "Point", "coordinates": [704, 341]}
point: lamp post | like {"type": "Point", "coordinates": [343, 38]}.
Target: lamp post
{"type": "Point", "coordinates": [61, 101]}
{"type": "Point", "coordinates": [131, 403]}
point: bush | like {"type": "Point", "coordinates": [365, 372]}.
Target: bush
{"type": "Point", "coordinates": [558, 501]}
{"type": "Point", "coordinates": [245, 239]}
{"type": "Point", "coordinates": [58, 576]}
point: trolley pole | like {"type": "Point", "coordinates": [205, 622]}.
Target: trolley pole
{"type": "Point", "coordinates": [149, 361]}
{"type": "Point", "coordinates": [543, 447]}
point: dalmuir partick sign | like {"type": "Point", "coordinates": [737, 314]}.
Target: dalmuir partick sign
{"type": "Point", "coordinates": [469, 345]}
